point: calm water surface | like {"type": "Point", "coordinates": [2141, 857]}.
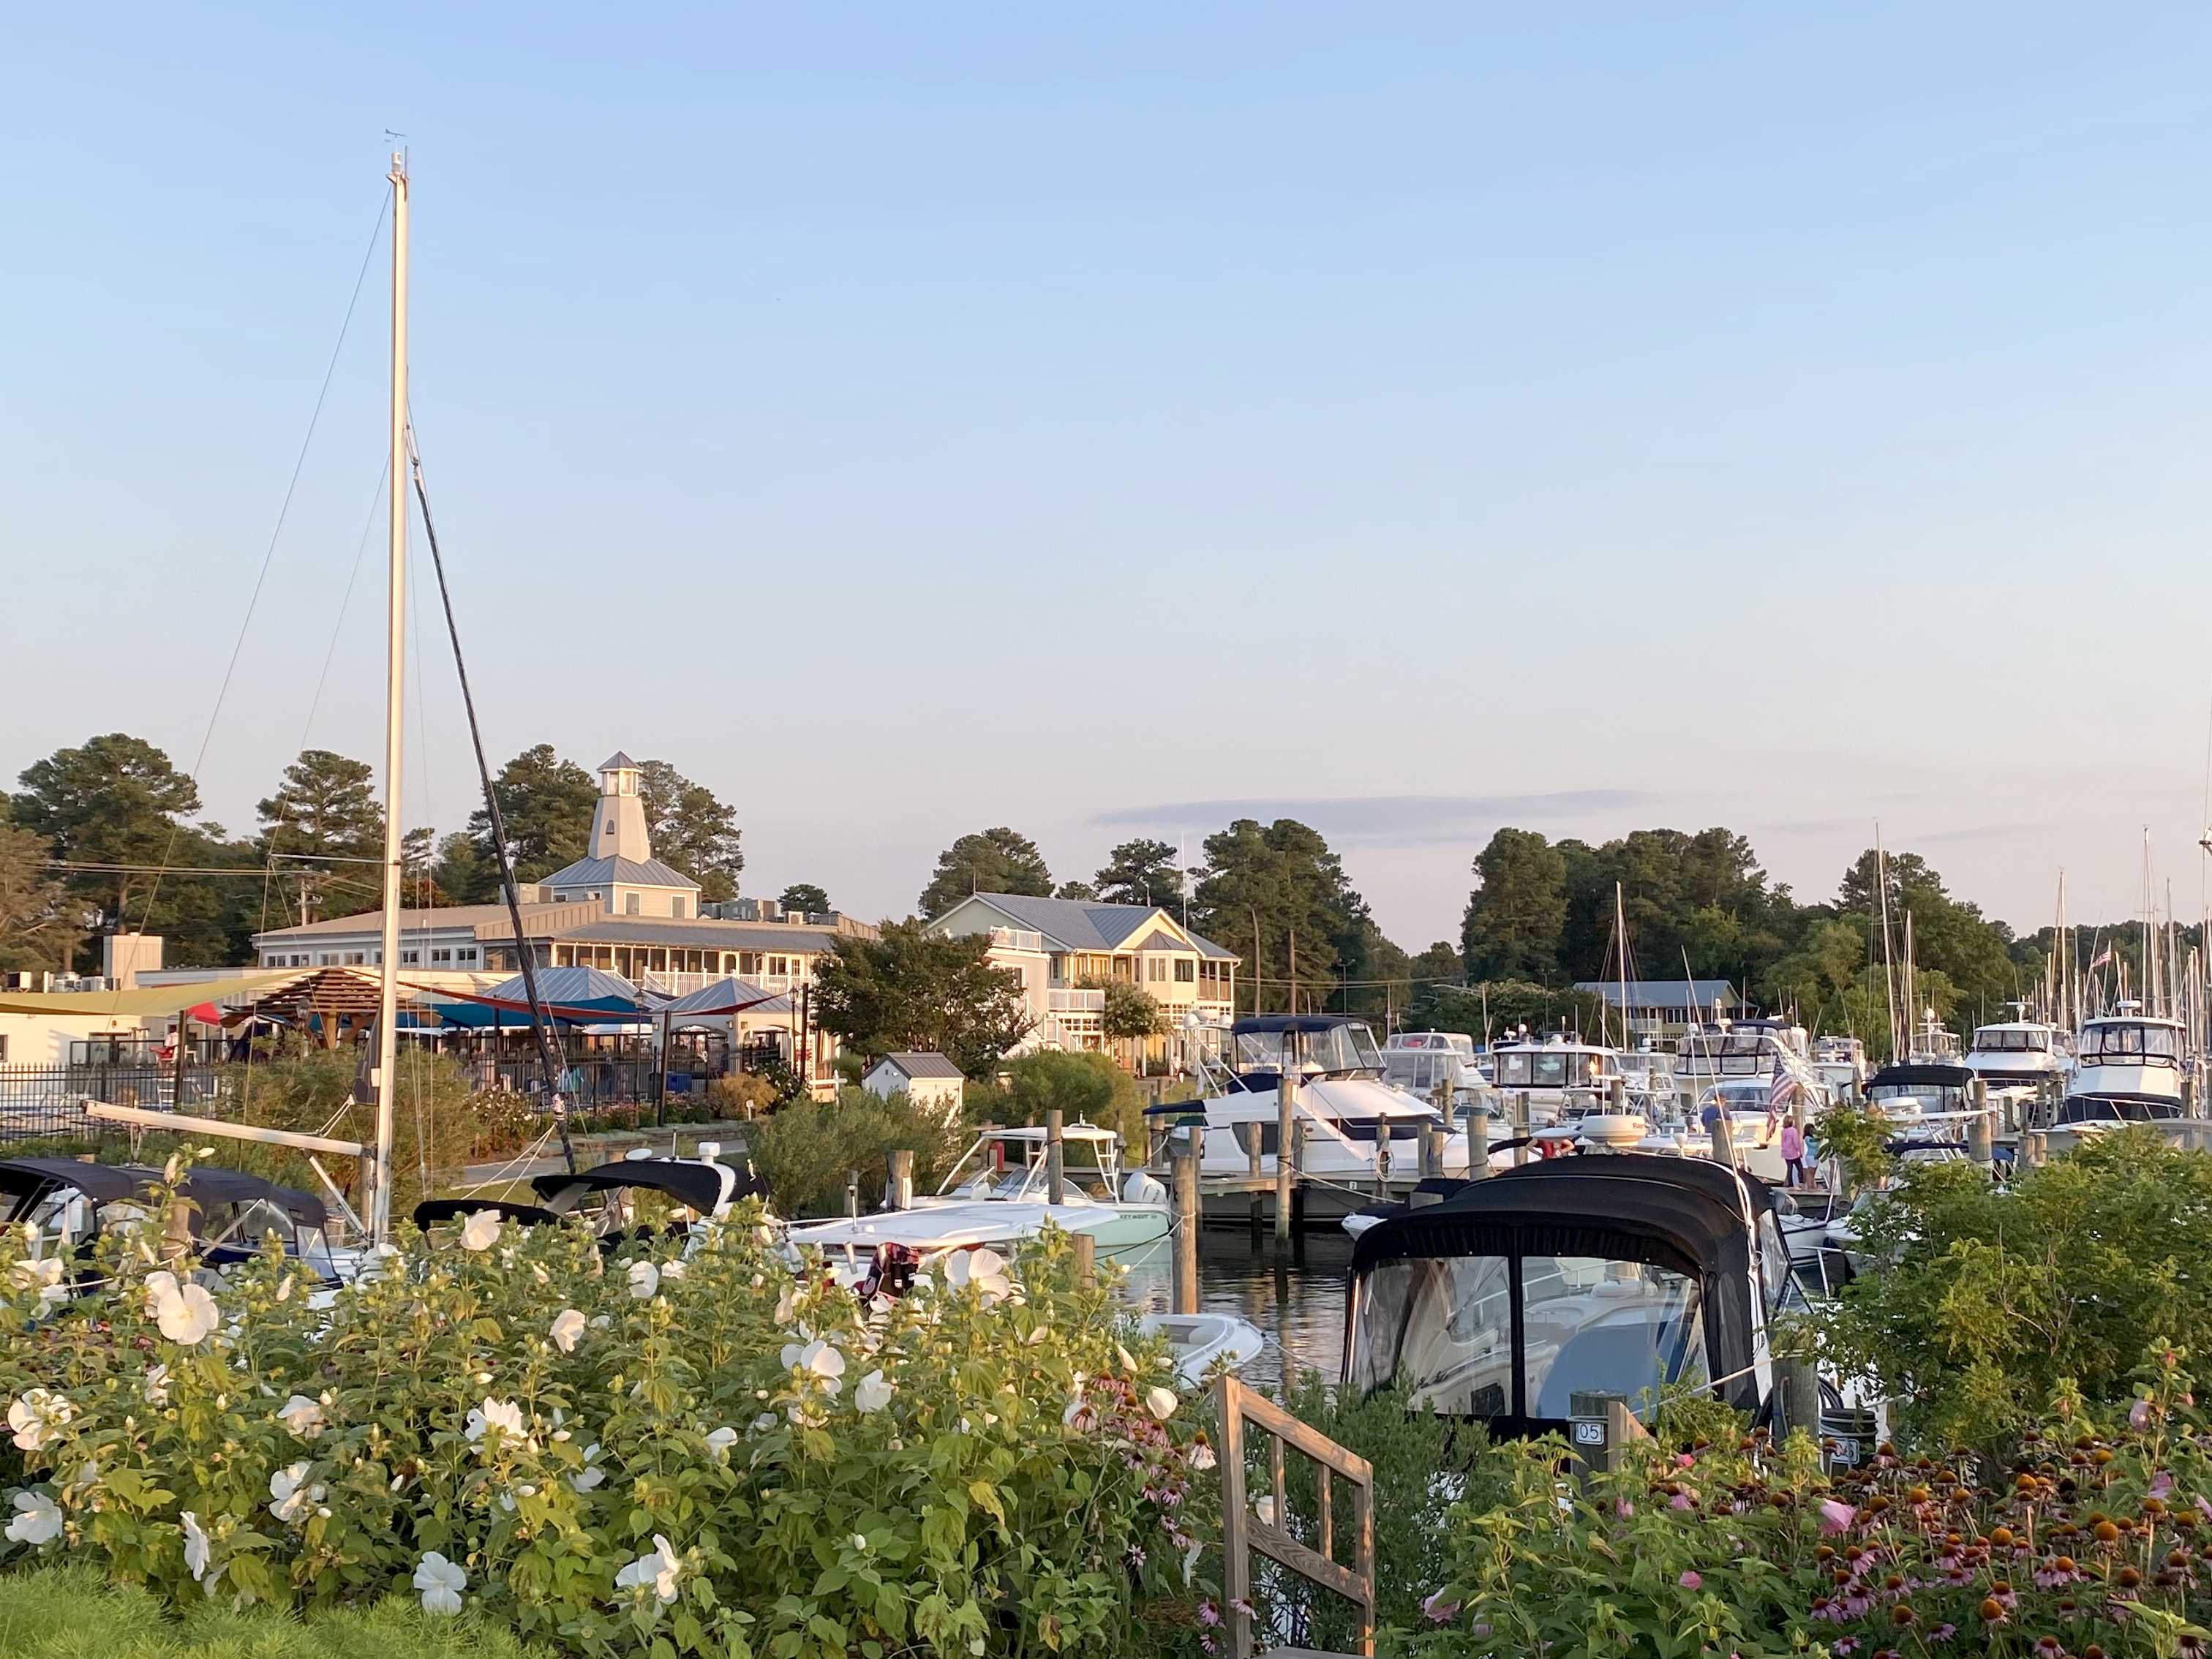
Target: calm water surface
{"type": "Point", "coordinates": [1299, 1307]}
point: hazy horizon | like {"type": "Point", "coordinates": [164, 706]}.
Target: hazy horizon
{"type": "Point", "coordinates": [1412, 421]}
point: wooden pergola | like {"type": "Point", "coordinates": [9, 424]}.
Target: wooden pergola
{"type": "Point", "coordinates": [334, 1003]}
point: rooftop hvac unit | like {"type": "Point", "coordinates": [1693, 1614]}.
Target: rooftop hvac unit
{"type": "Point", "coordinates": [16, 981]}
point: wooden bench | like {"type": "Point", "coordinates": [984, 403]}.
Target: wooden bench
{"type": "Point", "coordinates": [1244, 1532]}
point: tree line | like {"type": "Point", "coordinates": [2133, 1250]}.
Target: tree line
{"type": "Point", "coordinates": [109, 835]}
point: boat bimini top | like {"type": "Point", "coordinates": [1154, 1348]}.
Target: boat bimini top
{"type": "Point", "coordinates": [1625, 1274]}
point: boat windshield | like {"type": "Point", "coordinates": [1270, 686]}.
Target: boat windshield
{"type": "Point", "coordinates": [2011, 1040]}
{"type": "Point", "coordinates": [1422, 1071]}
{"type": "Point", "coordinates": [1925, 1096]}
{"type": "Point", "coordinates": [1444, 1328]}
{"type": "Point", "coordinates": [1547, 1068]}
{"type": "Point", "coordinates": [2125, 1042]}
{"type": "Point", "coordinates": [1346, 1048]}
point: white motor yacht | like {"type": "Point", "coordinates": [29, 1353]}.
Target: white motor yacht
{"type": "Point", "coordinates": [1423, 1062]}
{"type": "Point", "coordinates": [1749, 1047]}
{"type": "Point", "coordinates": [999, 1194]}
{"type": "Point", "coordinates": [1560, 1076]}
{"type": "Point", "coordinates": [2127, 1069]}
{"type": "Point", "coordinates": [1349, 1112]}
{"type": "Point", "coordinates": [1840, 1062]}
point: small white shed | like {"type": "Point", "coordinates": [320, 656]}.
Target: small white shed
{"type": "Point", "coordinates": [929, 1080]}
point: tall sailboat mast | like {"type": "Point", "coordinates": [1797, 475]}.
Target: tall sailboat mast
{"type": "Point", "coordinates": [387, 1000]}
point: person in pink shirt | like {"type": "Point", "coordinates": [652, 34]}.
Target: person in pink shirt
{"type": "Point", "coordinates": [1793, 1152]}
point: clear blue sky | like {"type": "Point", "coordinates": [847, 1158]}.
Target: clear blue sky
{"type": "Point", "coordinates": [910, 419]}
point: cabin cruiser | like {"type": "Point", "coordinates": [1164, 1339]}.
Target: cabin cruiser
{"type": "Point", "coordinates": [1756, 1110]}
{"type": "Point", "coordinates": [999, 1193]}
{"type": "Point", "coordinates": [1754, 1048]}
{"type": "Point", "coordinates": [1650, 1074]}
{"type": "Point", "coordinates": [1423, 1062]}
{"type": "Point", "coordinates": [1561, 1076]}
{"type": "Point", "coordinates": [1627, 1274]}
{"type": "Point", "coordinates": [1840, 1062]}
{"type": "Point", "coordinates": [640, 1195]}
{"type": "Point", "coordinates": [2127, 1069]}
{"type": "Point", "coordinates": [1351, 1115]}
{"type": "Point", "coordinates": [2018, 1052]}
{"type": "Point", "coordinates": [228, 1213]}
{"type": "Point", "coordinates": [1932, 1042]}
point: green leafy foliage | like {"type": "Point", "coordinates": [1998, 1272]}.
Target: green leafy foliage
{"type": "Point", "coordinates": [913, 990]}
{"type": "Point", "coordinates": [665, 1448]}
{"type": "Point", "coordinates": [1284, 879]}
{"type": "Point", "coordinates": [804, 1149]}
{"type": "Point", "coordinates": [545, 803]}
{"type": "Point", "coordinates": [1086, 1087]}
{"type": "Point", "coordinates": [692, 830]}
{"type": "Point", "coordinates": [1855, 1138]}
{"type": "Point", "coordinates": [1993, 1300]}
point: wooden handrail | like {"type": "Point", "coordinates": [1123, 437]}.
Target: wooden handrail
{"type": "Point", "coordinates": [1242, 1531]}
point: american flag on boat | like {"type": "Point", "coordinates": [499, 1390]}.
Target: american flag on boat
{"type": "Point", "coordinates": [2100, 958]}
{"type": "Point", "coordinates": [1781, 1091]}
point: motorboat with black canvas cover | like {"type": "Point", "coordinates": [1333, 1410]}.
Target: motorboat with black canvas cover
{"type": "Point", "coordinates": [71, 1203]}
{"type": "Point", "coordinates": [1627, 1274]}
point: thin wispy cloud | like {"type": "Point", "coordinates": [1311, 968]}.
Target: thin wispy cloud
{"type": "Point", "coordinates": [1383, 820]}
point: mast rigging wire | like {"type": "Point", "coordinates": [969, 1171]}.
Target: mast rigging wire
{"type": "Point", "coordinates": [538, 1017]}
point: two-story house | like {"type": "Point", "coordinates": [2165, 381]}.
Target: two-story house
{"type": "Point", "coordinates": [1066, 949]}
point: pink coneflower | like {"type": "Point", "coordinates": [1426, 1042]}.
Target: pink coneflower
{"type": "Point", "coordinates": [1438, 1610]}
{"type": "Point", "coordinates": [1836, 1517]}
{"type": "Point", "coordinates": [1942, 1632]}
{"type": "Point", "coordinates": [1684, 1499]}
{"type": "Point", "coordinates": [1691, 1580]}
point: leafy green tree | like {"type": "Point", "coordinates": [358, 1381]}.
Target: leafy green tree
{"type": "Point", "coordinates": [914, 989]}
{"type": "Point", "coordinates": [692, 830]}
{"type": "Point", "coordinates": [996, 861]}
{"type": "Point", "coordinates": [1131, 1012]}
{"type": "Point", "coordinates": [1518, 910]}
{"type": "Point", "coordinates": [116, 801]}
{"type": "Point", "coordinates": [1282, 879]}
{"type": "Point", "coordinates": [1081, 890]}
{"type": "Point", "coordinates": [1509, 1004]}
{"type": "Point", "coordinates": [1141, 871]}
{"type": "Point", "coordinates": [462, 869]}
{"type": "Point", "coordinates": [804, 897]}
{"type": "Point", "coordinates": [1087, 1087]}
{"type": "Point", "coordinates": [546, 804]}
{"type": "Point", "coordinates": [37, 915]}
{"type": "Point", "coordinates": [325, 808]}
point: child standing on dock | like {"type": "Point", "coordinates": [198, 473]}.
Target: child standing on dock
{"type": "Point", "coordinates": [1793, 1153]}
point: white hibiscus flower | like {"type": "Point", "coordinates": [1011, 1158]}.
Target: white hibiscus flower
{"type": "Point", "coordinates": [569, 1325]}
{"type": "Point", "coordinates": [480, 1231]}
{"type": "Point", "coordinates": [441, 1582]}
{"type": "Point", "coordinates": [38, 1518]}
{"type": "Point", "coordinates": [186, 1312]}
{"type": "Point", "coordinates": [303, 1416]}
{"type": "Point", "coordinates": [44, 1276]}
{"type": "Point", "coordinates": [502, 1414]}
{"type": "Point", "coordinates": [873, 1394]}
{"type": "Point", "coordinates": [196, 1546]}
{"type": "Point", "coordinates": [824, 1364]}
{"type": "Point", "coordinates": [985, 1269]}
{"type": "Point", "coordinates": [721, 1440]}
{"type": "Point", "coordinates": [1201, 1457]}
{"type": "Point", "coordinates": [37, 1417]}
{"type": "Point", "coordinates": [591, 1474]}
{"type": "Point", "coordinates": [644, 1280]}
{"type": "Point", "coordinates": [658, 1571]}
{"type": "Point", "coordinates": [154, 1385]}
{"type": "Point", "coordinates": [290, 1495]}
{"type": "Point", "coordinates": [1161, 1402]}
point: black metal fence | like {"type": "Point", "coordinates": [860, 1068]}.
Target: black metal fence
{"type": "Point", "coordinates": [41, 1102]}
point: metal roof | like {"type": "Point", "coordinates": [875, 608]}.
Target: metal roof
{"type": "Point", "coordinates": [476, 917]}
{"type": "Point", "coordinates": [923, 1064]}
{"type": "Point", "coordinates": [618, 762]}
{"type": "Point", "coordinates": [598, 872]}
{"type": "Point", "coordinates": [1687, 994]}
{"type": "Point", "coordinates": [1078, 926]}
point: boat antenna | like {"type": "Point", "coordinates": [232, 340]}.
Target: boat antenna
{"type": "Point", "coordinates": [540, 1021]}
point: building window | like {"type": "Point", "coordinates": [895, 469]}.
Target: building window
{"type": "Point", "coordinates": [1156, 970]}
{"type": "Point", "coordinates": [778, 966]}
{"type": "Point", "coordinates": [466, 953]}
{"type": "Point", "coordinates": [329, 958]}
{"type": "Point", "coordinates": [629, 904]}
{"type": "Point", "coordinates": [444, 953]}
{"type": "Point", "coordinates": [3, 1051]}
{"type": "Point", "coordinates": [300, 961]}
{"type": "Point", "coordinates": [749, 962]}
{"type": "Point", "coordinates": [355, 959]}
{"type": "Point", "coordinates": [410, 959]}
{"type": "Point", "coordinates": [1186, 970]}
{"type": "Point", "coordinates": [676, 907]}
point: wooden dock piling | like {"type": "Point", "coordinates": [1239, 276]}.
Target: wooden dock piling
{"type": "Point", "coordinates": [1286, 1117]}
{"type": "Point", "coordinates": [1182, 1164]}
{"type": "Point", "coordinates": [1055, 1160]}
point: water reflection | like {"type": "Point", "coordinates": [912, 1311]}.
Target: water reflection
{"type": "Point", "coordinates": [1299, 1307]}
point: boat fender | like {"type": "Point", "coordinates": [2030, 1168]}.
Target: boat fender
{"type": "Point", "coordinates": [1141, 1189]}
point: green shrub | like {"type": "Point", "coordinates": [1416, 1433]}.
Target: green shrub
{"type": "Point", "coordinates": [1992, 1297]}
{"type": "Point", "coordinates": [1086, 1086]}
{"type": "Point", "coordinates": [996, 1467]}
{"type": "Point", "coordinates": [741, 1094]}
{"type": "Point", "coordinates": [71, 1612]}
{"type": "Point", "coordinates": [804, 1150]}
